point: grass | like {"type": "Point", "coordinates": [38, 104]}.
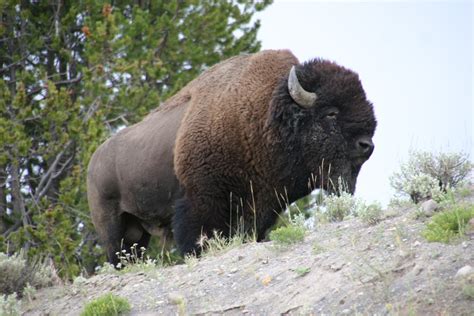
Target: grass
{"type": "Point", "coordinates": [191, 261]}
{"type": "Point", "coordinates": [138, 261]}
{"type": "Point", "coordinates": [302, 271]}
{"type": "Point", "coordinates": [449, 224]}
{"type": "Point", "coordinates": [317, 249]}
{"type": "Point", "coordinates": [108, 304]}
{"type": "Point", "coordinates": [179, 301]}
{"type": "Point", "coordinates": [147, 265]}
{"type": "Point", "coordinates": [463, 191]}
{"type": "Point", "coordinates": [219, 243]}
{"type": "Point", "coordinates": [287, 235]}
{"type": "Point", "coordinates": [468, 291]}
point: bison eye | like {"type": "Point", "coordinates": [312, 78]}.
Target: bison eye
{"type": "Point", "coordinates": [332, 115]}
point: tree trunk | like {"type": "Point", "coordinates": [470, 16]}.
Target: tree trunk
{"type": "Point", "coordinates": [17, 196]}
{"type": "Point", "coordinates": [3, 199]}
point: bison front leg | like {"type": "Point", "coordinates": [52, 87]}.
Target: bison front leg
{"type": "Point", "coordinates": [193, 222]}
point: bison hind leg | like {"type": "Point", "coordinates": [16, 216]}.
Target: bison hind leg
{"type": "Point", "coordinates": [135, 237]}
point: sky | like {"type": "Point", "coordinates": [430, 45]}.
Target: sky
{"type": "Point", "coordinates": [414, 60]}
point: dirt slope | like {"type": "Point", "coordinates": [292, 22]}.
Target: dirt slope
{"type": "Point", "coordinates": [351, 268]}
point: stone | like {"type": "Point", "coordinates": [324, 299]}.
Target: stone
{"type": "Point", "coordinates": [470, 227]}
{"type": "Point", "coordinates": [464, 271]}
{"type": "Point", "coordinates": [429, 207]}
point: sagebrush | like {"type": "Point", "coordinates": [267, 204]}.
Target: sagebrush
{"type": "Point", "coordinates": [16, 272]}
{"type": "Point", "coordinates": [426, 174]}
{"type": "Point", "coordinates": [10, 305]}
{"type": "Point", "coordinates": [371, 214]}
{"type": "Point", "coordinates": [337, 207]}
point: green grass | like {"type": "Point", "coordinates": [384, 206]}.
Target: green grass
{"type": "Point", "coordinates": [468, 291]}
{"type": "Point", "coordinates": [317, 248]}
{"type": "Point", "coordinates": [302, 271]}
{"type": "Point", "coordinates": [287, 235]}
{"type": "Point", "coordinates": [219, 243]}
{"type": "Point", "coordinates": [107, 305]}
{"type": "Point", "coordinates": [449, 224]}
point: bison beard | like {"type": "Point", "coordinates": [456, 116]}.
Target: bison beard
{"type": "Point", "coordinates": [230, 150]}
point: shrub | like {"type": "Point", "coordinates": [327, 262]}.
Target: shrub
{"type": "Point", "coordinates": [287, 235]}
{"type": "Point", "coordinates": [16, 272]}
{"type": "Point", "coordinates": [421, 187]}
{"type": "Point", "coordinates": [370, 214]}
{"type": "Point", "coordinates": [29, 293]}
{"type": "Point", "coordinates": [399, 202]}
{"type": "Point", "coordinates": [425, 174]}
{"type": "Point", "coordinates": [108, 304]}
{"type": "Point", "coordinates": [9, 305]}
{"type": "Point", "coordinates": [338, 207]}
{"type": "Point", "coordinates": [293, 232]}
{"type": "Point", "coordinates": [448, 224]}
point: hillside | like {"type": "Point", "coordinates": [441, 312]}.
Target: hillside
{"type": "Point", "coordinates": [341, 268]}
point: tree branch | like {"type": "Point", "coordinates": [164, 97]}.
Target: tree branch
{"type": "Point", "coordinates": [48, 176]}
{"type": "Point", "coordinates": [57, 83]}
{"type": "Point", "coordinates": [16, 63]}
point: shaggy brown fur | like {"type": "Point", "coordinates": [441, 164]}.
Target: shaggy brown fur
{"type": "Point", "coordinates": [230, 149]}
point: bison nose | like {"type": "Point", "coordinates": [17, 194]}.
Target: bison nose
{"type": "Point", "coordinates": [365, 146]}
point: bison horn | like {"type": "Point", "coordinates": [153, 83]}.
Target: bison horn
{"type": "Point", "coordinates": [301, 96]}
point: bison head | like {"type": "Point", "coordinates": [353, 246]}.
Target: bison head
{"type": "Point", "coordinates": [324, 124]}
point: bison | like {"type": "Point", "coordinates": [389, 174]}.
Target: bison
{"type": "Point", "coordinates": [230, 150]}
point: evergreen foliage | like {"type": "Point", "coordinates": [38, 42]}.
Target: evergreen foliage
{"type": "Point", "coordinates": [74, 72]}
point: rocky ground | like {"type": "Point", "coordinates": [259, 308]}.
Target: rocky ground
{"type": "Point", "coordinates": [340, 268]}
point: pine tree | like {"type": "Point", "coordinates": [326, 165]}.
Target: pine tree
{"type": "Point", "coordinates": [72, 73]}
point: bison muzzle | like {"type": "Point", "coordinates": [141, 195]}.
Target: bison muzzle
{"type": "Point", "coordinates": [230, 150]}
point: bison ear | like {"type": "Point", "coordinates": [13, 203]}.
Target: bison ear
{"type": "Point", "coordinates": [304, 98]}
